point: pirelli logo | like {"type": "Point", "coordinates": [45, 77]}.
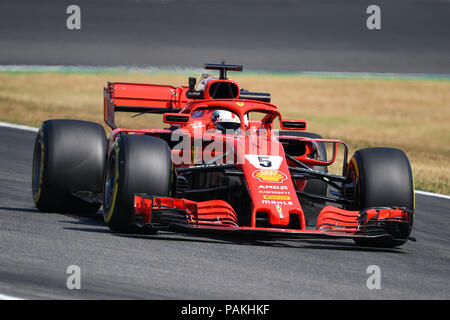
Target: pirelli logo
{"type": "Point", "coordinates": [275, 197]}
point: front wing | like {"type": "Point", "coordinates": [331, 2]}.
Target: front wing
{"type": "Point", "coordinates": [154, 213]}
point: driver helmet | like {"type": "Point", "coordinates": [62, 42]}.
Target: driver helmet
{"type": "Point", "coordinates": [226, 120]}
{"type": "Point", "coordinates": [205, 78]}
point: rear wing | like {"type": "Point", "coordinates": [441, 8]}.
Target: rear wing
{"type": "Point", "coordinates": [135, 97]}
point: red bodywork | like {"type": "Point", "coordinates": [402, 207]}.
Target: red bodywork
{"type": "Point", "coordinates": [272, 189]}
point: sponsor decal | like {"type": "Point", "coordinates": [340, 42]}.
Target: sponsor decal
{"type": "Point", "coordinates": [269, 176]}
{"type": "Point", "coordinates": [240, 104]}
{"type": "Point", "coordinates": [273, 197]}
{"type": "Point", "coordinates": [274, 192]}
{"type": "Point", "coordinates": [280, 212]}
{"type": "Point", "coordinates": [272, 187]}
{"type": "Point", "coordinates": [278, 202]}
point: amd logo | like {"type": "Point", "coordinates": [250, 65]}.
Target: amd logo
{"type": "Point", "coordinates": [271, 187]}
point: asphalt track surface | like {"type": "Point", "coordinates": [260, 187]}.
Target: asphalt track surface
{"type": "Point", "coordinates": [37, 247]}
{"type": "Point", "coordinates": [295, 35]}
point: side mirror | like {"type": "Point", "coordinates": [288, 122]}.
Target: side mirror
{"type": "Point", "coordinates": [291, 124]}
{"type": "Point", "coordinates": [176, 118]}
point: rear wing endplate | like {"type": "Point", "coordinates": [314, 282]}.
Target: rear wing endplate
{"type": "Point", "coordinates": [135, 97]}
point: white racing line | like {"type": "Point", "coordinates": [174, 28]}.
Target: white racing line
{"type": "Point", "coordinates": [27, 128]}
{"type": "Point", "coordinates": [431, 194]}
{"type": "Point", "coordinates": [18, 126]}
{"type": "Point", "coordinates": [6, 297]}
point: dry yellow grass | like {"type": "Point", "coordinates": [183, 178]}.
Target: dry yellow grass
{"type": "Point", "coordinates": [413, 115]}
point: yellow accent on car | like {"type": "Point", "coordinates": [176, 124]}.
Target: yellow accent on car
{"type": "Point", "coordinates": [116, 185]}
{"type": "Point", "coordinates": [41, 173]}
{"type": "Point", "coordinates": [270, 175]}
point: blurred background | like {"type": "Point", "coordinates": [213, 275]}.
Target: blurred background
{"type": "Point", "coordinates": [284, 35]}
{"type": "Point", "coordinates": [318, 59]}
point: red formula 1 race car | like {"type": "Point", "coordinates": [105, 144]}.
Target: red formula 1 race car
{"type": "Point", "coordinates": [221, 166]}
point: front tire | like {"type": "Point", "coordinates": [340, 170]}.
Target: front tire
{"type": "Point", "coordinates": [136, 164]}
{"type": "Point", "coordinates": [69, 156]}
{"type": "Point", "coordinates": [384, 179]}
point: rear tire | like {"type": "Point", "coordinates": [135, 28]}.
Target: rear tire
{"type": "Point", "coordinates": [384, 179]}
{"type": "Point", "coordinates": [69, 156]}
{"type": "Point", "coordinates": [136, 164]}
